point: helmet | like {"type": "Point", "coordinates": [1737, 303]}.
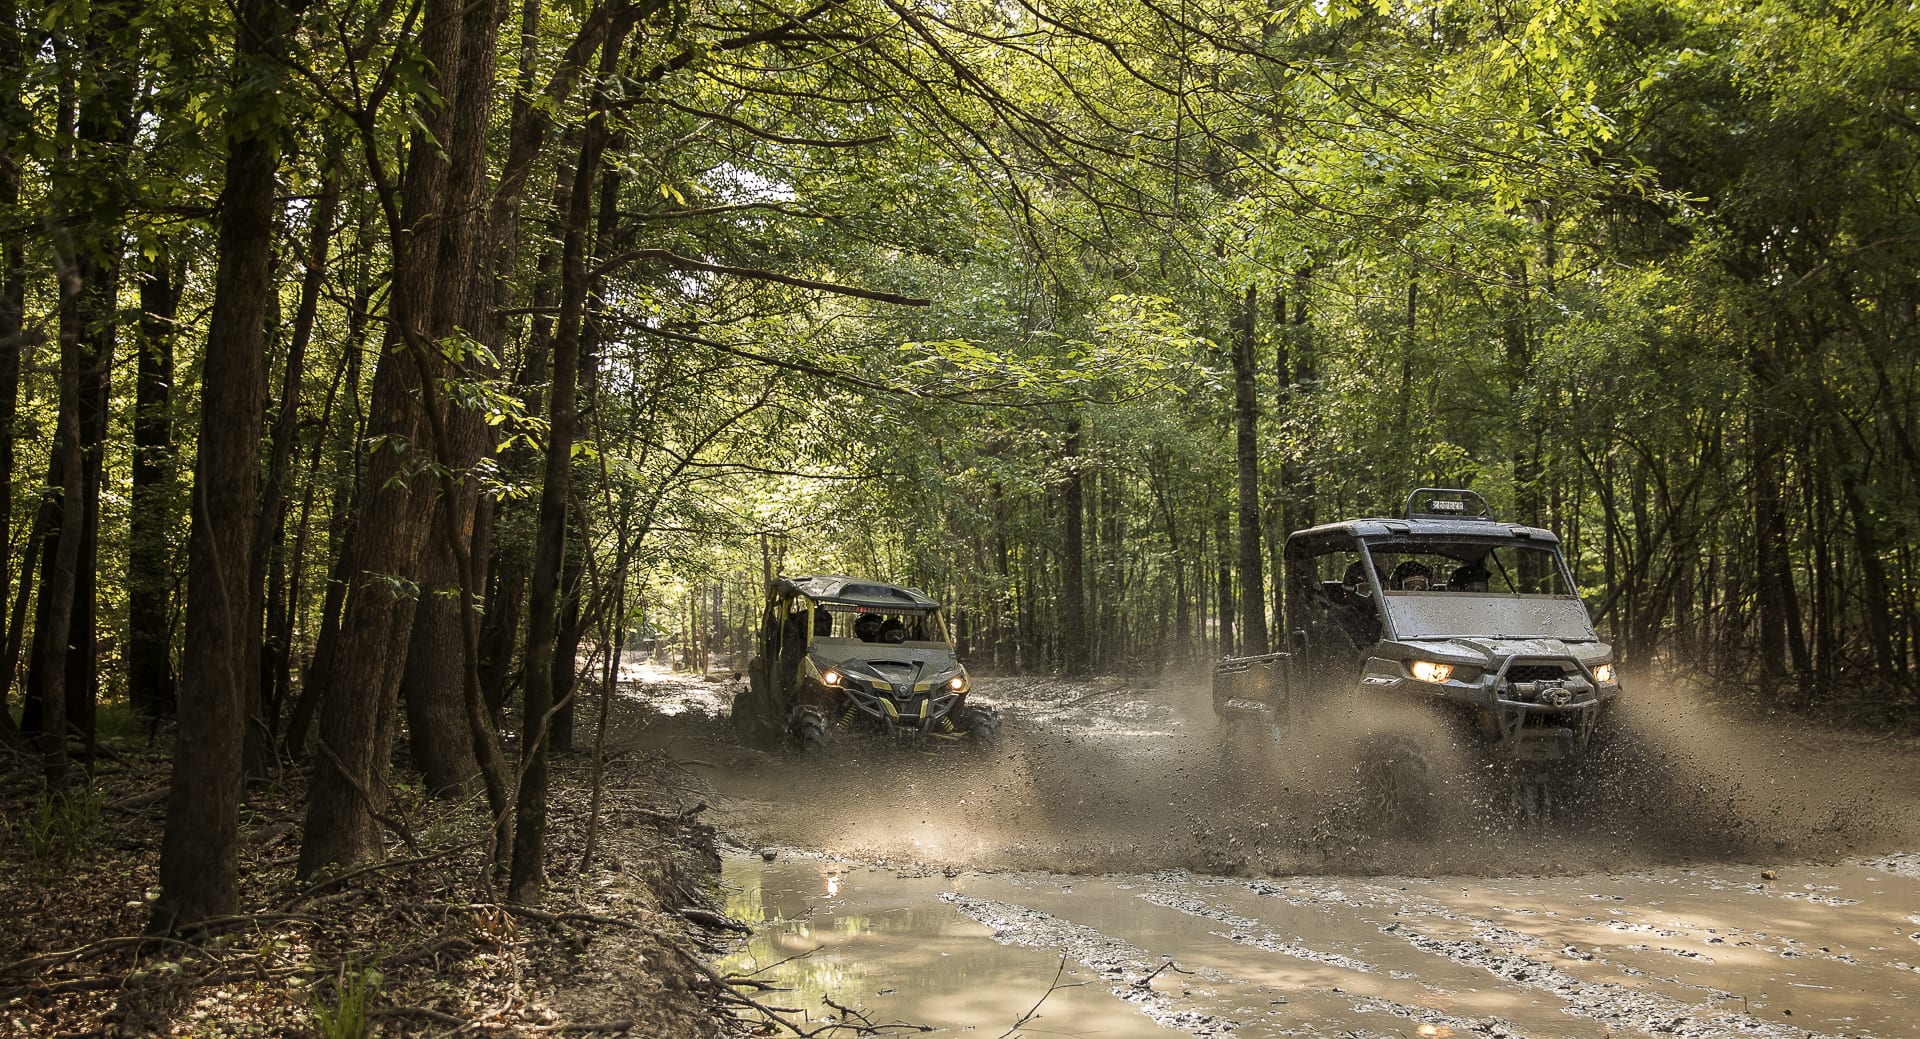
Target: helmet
{"type": "Point", "coordinates": [1468, 577]}
{"type": "Point", "coordinates": [1412, 576]}
{"type": "Point", "coordinates": [1356, 580]}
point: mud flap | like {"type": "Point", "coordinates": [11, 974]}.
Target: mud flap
{"type": "Point", "coordinates": [1253, 686]}
{"type": "Point", "coordinates": [755, 722]}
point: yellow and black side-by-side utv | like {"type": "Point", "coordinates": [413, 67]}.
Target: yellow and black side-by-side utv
{"type": "Point", "coordinates": [841, 654]}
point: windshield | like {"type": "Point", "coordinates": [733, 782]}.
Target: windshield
{"type": "Point", "coordinates": [1474, 588]}
{"type": "Point", "coordinates": [1465, 566]}
{"type": "Point", "coordinates": [912, 627]}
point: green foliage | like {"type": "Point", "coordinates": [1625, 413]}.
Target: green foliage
{"type": "Point", "coordinates": [346, 1017]}
{"type": "Point", "coordinates": [64, 826]}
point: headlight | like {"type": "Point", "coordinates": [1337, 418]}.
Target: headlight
{"type": "Point", "coordinates": [957, 684]}
{"type": "Point", "coordinates": [829, 677]}
{"type": "Point", "coordinates": [1603, 673]}
{"type": "Point", "coordinates": [1428, 671]}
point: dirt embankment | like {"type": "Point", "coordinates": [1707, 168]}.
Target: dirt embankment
{"type": "Point", "coordinates": [418, 944]}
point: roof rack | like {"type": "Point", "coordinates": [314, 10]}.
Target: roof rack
{"type": "Point", "coordinates": [1447, 502]}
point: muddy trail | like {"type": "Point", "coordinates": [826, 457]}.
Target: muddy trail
{"type": "Point", "coordinates": [1136, 866]}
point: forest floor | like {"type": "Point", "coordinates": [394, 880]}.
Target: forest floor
{"type": "Point", "coordinates": [412, 945]}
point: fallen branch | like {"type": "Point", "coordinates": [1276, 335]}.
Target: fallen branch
{"type": "Point", "coordinates": [423, 1013]}
{"type": "Point", "coordinates": [1148, 980]}
{"type": "Point", "coordinates": [555, 918]}
{"type": "Point", "coordinates": [709, 919]}
{"type": "Point", "coordinates": [1035, 1009]}
{"type": "Point", "coordinates": [776, 963]}
{"type": "Point", "coordinates": [50, 959]}
{"type": "Point", "coordinates": [135, 802]}
{"type": "Point", "coordinates": [375, 867]}
{"type": "Point", "coordinates": [450, 943]}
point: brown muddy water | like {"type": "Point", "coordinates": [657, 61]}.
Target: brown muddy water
{"type": "Point", "coordinates": [1133, 866]}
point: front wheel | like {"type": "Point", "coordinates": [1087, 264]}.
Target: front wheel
{"type": "Point", "coordinates": [807, 729]}
{"type": "Point", "coordinates": [1396, 788]}
{"type": "Point", "coordinates": [983, 724]}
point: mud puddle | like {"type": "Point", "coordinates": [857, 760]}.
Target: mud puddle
{"type": "Point", "coordinates": [1190, 875]}
{"type": "Point", "coordinates": [1721, 951]}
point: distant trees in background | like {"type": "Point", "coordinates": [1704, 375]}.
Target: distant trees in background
{"type": "Point", "coordinates": [362, 367]}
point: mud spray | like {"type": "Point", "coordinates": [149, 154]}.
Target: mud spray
{"type": "Point", "coordinates": [1129, 776]}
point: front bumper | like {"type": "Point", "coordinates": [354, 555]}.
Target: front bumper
{"type": "Point", "coordinates": [1535, 710]}
{"type": "Point", "coordinates": [905, 712]}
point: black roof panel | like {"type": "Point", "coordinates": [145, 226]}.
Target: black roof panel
{"type": "Point", "coordinates": [855, 591]}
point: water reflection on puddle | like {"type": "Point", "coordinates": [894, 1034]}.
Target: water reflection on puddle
{"type": "Point", "coordinates": [883, 943]}
{"type": "Point", "coordinates": [1704, 951]}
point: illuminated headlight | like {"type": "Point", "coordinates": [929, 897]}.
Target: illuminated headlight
{"type": "Point", "coordinates": [1603, 673]}
{"type": "Point", "coordinates": [957, 684]}
{"type": "Point", "coordinates": [1428, 671]}
{"type": "Point", "coordinates": [829, 677]}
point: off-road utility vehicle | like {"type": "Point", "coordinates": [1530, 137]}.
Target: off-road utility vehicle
{"type": "Point", "coordinates": [1442, 609]}
{"type": "Point", "coordinates": [839, 654]}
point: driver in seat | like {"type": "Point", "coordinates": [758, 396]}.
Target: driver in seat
{"type": "Point", "coordinates": [1357, 618]}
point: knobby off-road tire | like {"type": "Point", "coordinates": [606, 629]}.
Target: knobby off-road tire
{"type": "Point", "coordinates": [807, 728]}
{"type": "Point", "coordinates": [1396, 788]}
{"type": "Point", "coordinates": [983, 724]}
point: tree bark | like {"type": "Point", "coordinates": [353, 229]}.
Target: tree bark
{"type": "Point", "coordinates": [1253, 590]}
{"type": "Point", "coordinates": [198, 855]}
{"type": "Point", "coordinates": [1073, 584]}
{"type": "Point", "coordinates": [528, 881]}
{"type": "Point", "coordinates": [394, 516]}
{"type": "Point", "coordinates": [150, 565]}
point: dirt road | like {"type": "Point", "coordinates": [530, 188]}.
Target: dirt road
{"type": "Point", "coordinates": [1188, 876]}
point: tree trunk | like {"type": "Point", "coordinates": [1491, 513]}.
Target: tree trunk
{"type": "Point", "coordinates": [57, 583]}
{"type": "Point", "coordinates": [528, 880]}
{"type": "Point", "coordinates": [198, 856]}
{"type": "Point", "coordinates": [434, 685]}
{"type": "Point", "coordinates": [1073, 585]}
{"type": "Point", "coordinates": [13, 289]}
{"type": "Point", "coordinates": [1223, 579]}
{"type": "Point", "coordinates": [1253, 585]}
{"type": "Point", "coordinates": [149, 555]}
{"type": "Point", "coordinates": [397, 501]}
{"type": "Point", "coordinates": [266, 559]}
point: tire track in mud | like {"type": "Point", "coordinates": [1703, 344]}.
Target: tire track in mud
{"type": "Point", "coordinates": [1112, 959]}
{"type": "Point", "coordinates": [1251, 933]}
{"type": "Point", "coordinates": [1609, 1003]}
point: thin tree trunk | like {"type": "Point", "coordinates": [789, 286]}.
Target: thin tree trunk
{"type": "Point", "coordinates": [13, 289]}
{"type": "Point", "coordinates": [1073, 584]}
{"type": "Point", "coordinates": [57, 584]}
{"type": "Point", "coordinates": [528, 880]}
{"type": "Point", "coordinates": [266, 559]}
{"type": "Point", "coordinates": [395, 512]}
{"type": "Point", "coordinates": [149, 555]}
{"type": "Point", "coordinates": [1253, 591]}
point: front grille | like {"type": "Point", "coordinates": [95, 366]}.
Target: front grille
{"type": "Point", "coordinates": [1538, 672]}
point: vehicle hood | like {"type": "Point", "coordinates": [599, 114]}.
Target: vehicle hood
{"type": "Point", "coordinates": [1487, 653]}
{"type": "Point", "coordinates": [1440, 616]}
{"type": "Point", "coordinates": [900, 666]}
